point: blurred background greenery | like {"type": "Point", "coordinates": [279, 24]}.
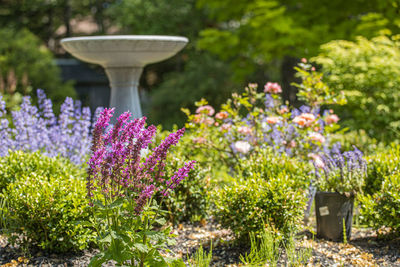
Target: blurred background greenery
{"type": "Point", "coordinates": [232, 42]}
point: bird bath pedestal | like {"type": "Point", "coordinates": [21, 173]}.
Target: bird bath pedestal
{"type": "Point", "coordinates": [123, 58]}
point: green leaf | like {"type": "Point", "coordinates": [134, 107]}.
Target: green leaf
{"type": "Point", "coordinates": [83, 223]}
{"type": "Point", "coordinates": [119, 251]}
{"type": "Point", "coordinates": [98, 204]}
{"type": "Point", "coordinates": [106, 239]}
{"type": "Point", "coordinates": [171, 242]}
{"type": "Point", "coordinates": [141, 247]}
{"type": "Point", "coordinates": [161, 221]}
{"type": "Point", "coordinates": [99, 259]}
{"type": "Point", "coordinates": [157, 260]}
{"type": "Point", "coordinates": [116, 204]}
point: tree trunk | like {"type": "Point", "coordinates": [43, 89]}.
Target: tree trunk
{"type": "Point", "coordinates": [288, 77]}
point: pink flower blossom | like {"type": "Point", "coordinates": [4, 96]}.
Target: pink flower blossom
{"type": "Point", "coordinates": [305, 119]}
{"type": "Point", "coordinates": [197, 118]}
{"type": "Point", "coordinates": [308, 116]}
{"type": "Point", "coordinates": [253, 85]}
{"type": "Point", "coordinates": [283, 110]}
{"type": "Point", "coordinates": [319, 163]}
{"type": "Point", "coordinates": [292, 144]}
{"type": "Point", "coordinates": [317, 137]}
{"type": "Point", "coordinates": [207, 109]}
{"type": "Point", "coordinates": [244, 130]}
{"type": "Point", "coordinates": [242, 147]}
{"type": "Point", "coordinates": [209, 121]}
{"type": "Point", "coordinates": [221, 115]}
{"type": "Point", "coordinates": [273, 88]}
{"type": "Point", "coordinates": [304, 60]}
{"type": "Point", "coordinates": [333, 118]}
{"type": "Point", "coordinates": [199, 140]}
{"type": "Point", "coordinates": [273, 119]}
{"type": "Point", "coordinates": [299, 120]}
{"type": "Point", "coordinates": [226, 127]}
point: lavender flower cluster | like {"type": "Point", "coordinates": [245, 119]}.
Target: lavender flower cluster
{"type": "Point", "coordinates": [116, 167]}
{"type": "Point", "coordinates": [341, 172]}
{"type": "Point", "coordinates": [36, 128]}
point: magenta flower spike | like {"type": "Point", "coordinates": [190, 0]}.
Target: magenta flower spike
{"type": "Point", "coordinates": [117, 167]}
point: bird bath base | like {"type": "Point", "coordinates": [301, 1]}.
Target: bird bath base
{"type": "Point", "coordinates": [124, 96]}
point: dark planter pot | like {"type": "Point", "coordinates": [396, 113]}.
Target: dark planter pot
{"type": "Point", "coordinates": [331, 210]}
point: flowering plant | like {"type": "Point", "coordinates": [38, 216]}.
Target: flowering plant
{"type": "Point", "coordinates": [121, 184]}
{"type": "Point", "coordinates": [260, 119]}
{"type": "Point", "coordinates": [339, 172]}
{"type": "Point", "coordinates": [35, 128]}
{"type": "Point", "coordinates": [313, 90]}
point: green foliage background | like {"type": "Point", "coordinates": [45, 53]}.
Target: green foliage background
{"type": "Point", "coordinates": [232, 42]}
{"type": "Point", "coordinates": [251, 32]}
{"type": "Point", "coordinates": [25, 54]}
{"type": "Point", "coordinates": [368, 72]}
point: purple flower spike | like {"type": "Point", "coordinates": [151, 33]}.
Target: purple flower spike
{"type": "Point", "coordinates": [181, 174]}
{"type": "Point", "coordinates": [37, 128]}
{"type": "Point", "coordinates": [116, 167]}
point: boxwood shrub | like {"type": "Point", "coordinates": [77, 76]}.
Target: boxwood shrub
{"type": "Point", "coordinates": [382, 209]}
{"type": "Point", "coordinates": [189, 202]}
{"type": "Point", "coordinates": [44, 203]}
{"type": "Point", "coordinates": [380, 203]}
{"type": "Point", "coordinates": [381, 165]}
{"type": "Point", "coordinates": [271, 190]}
{"type": "Point", "coordinates": [18, 164]}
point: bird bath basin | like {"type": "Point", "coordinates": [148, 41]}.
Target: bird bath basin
{"type": "Point", "coordinates": [123, 58]}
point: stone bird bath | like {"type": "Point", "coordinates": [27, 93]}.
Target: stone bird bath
{"type": "Point", "coordinates": [123, 58]}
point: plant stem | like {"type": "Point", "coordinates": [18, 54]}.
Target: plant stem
{"type": "Point", "coordinates": [142, 256]}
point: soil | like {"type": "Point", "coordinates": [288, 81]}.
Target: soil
{"type": "Point", "coordinates": [364, 249]}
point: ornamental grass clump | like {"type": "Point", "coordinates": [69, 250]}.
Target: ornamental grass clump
{"type": "Point", "coordinates": [339, 172]}
{"type": "Point", "coordinates": [121, 186]}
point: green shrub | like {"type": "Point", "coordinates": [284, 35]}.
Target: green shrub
{"type": "Point", "coordinates": [381, 165]}
{"type": "Point", "coordinates": [267, 164]}
{"type": "Point", "coordinates": [382, 209]}
{"type": "Point", "coordinates": [189, 201]}
{"type": "Point", "coordinates": [44, 203]}
{"type": "Point", "coordinates": [368, 72]}
{"type": "Point", "coordinates": [18, 164]}
{"type": "Point", "coordinates": [271, 189]}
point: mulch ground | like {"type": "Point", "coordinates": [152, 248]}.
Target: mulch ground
{"type": "Point", "coordinates": [364, 249]}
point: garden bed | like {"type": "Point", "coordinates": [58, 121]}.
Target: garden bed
{"type": "Point", "coordinates": [364, 249]}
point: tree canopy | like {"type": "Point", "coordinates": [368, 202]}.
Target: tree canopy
{"type": "Point", "coordinates": [256, 31]}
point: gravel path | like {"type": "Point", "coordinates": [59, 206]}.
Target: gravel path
{"type": "Point", "coordinates": [364, 249]}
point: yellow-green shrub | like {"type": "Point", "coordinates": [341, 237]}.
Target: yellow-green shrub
{"type": "Point", "coordinates": [44, 203]}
